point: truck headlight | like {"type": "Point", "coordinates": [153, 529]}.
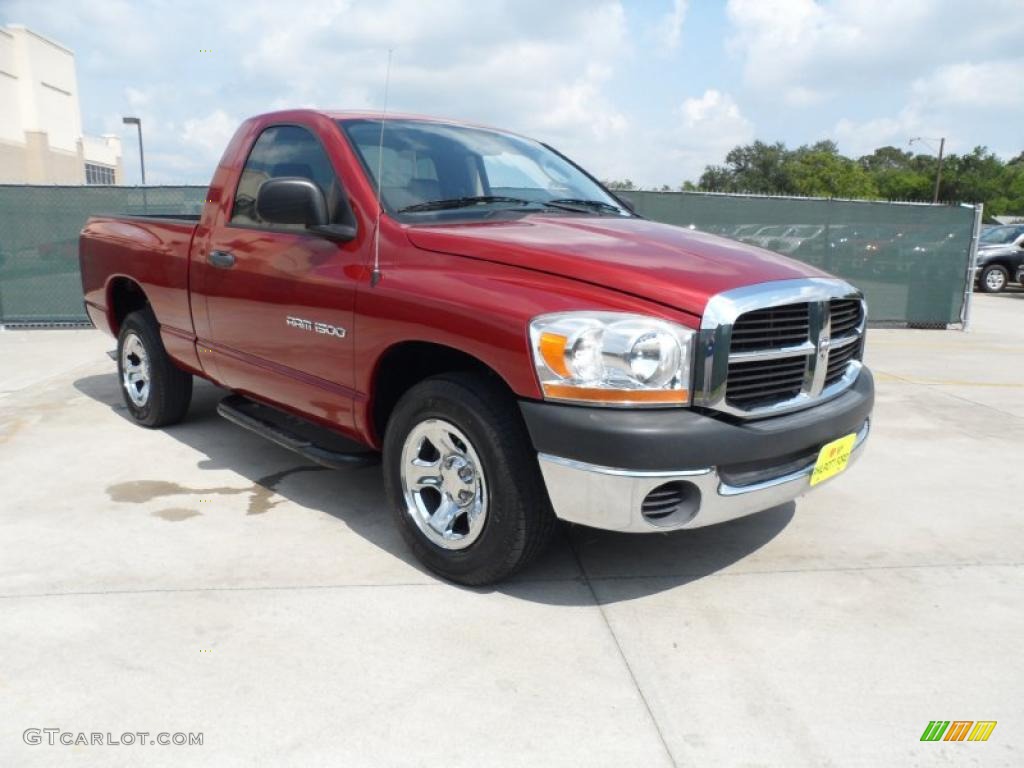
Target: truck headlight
{"type": "Point", "coordinates": [612, 358]}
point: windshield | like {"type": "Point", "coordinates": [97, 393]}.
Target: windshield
{"type": "Point", "coordinates": [427, 167]}
{"type": "Point", "coordinates": [1000, 235]}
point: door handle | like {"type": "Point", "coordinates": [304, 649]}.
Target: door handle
{"type": "Point", "coordinates": [221, 259]}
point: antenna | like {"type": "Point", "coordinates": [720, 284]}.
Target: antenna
{"type": "Point", "coordinates": [375, 274]}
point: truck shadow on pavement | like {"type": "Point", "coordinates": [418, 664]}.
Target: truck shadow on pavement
{"type": "Point", "coordinates": [583, 565]}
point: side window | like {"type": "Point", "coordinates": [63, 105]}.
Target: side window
{"type": "Point", "coordinates": [286, 150]}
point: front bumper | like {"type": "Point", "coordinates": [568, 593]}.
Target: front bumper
{"type": "Point", "coordinates": [601, 466]}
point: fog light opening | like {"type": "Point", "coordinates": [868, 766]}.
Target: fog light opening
{"type": "Point", "coordinates": [671, 504]}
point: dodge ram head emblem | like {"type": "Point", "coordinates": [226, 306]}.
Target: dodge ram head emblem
{"type": "Point", "coordinates": [317, 327]}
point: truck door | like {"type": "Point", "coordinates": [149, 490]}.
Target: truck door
{"type": "Point", "coordinates": [279, 300]}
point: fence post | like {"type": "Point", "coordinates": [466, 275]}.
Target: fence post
{"type": "Point", "coordinates": [972, 257]}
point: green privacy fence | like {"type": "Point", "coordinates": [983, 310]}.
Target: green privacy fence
{"type": "Point", "coordinates": [39, 226]}
{"type": "Point", "coordinates": [912, 261]}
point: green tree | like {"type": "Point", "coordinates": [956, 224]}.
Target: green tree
{"type": "Point", "coordinates": [977, 176]}
{"type": "Point", "coordinates": [898, 175]}
{"type": "Point", "coordinates": [759, 168]}
{"type": "Point", "coordinates": [820, 171]}
{"type": "Point", "coordinates": [887, 158]}
{"type": "Point", "coordinates": [717, 178]}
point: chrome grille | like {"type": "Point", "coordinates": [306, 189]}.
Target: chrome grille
{"type": "Point", "coordinates": [771, 327]}
{"type": "Point", "coordinates": [754, 382]}
{"type": "Point", "coordinates": [845, 316]}
{"type": "Point", "coordinates": [839, 360]}
{"type": "Point", "coordinates": [780, 346]}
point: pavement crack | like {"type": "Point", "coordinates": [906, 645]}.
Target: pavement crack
{"type": "Point", "coordinates": [622, 655]}
{"type": "Point", "coordinates": [772, 571]}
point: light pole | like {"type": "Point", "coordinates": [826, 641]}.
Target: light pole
{"type": "Point", "coordinates": [137, 122]}
{"type": "Point", "coordinates": [938, 173]}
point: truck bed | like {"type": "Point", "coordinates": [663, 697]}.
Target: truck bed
{"type": "Point", "coordinates": [152, 250]}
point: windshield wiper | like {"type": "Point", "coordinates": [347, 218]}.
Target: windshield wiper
{"type": "Point", "coordinates": [567, 203]}
{"type": "Point", "coordinates": [462, 202]}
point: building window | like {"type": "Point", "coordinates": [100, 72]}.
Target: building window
{"type": "Point", "coordinates": [98, 174]}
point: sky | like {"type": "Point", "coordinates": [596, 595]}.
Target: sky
{"type": "Point", "coordinates": [649, 90]}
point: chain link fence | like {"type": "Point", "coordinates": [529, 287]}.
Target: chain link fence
{"type": "Point", "coordinates": [39, 226]}
{"type": "Point", "coordinates": [913, 262]}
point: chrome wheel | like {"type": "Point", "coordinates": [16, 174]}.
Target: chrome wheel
{"type": "Point", "coordinates": [995, 280]}
{"type": "Point", "coordinates": [443, 484]}
{"type": "Point", "coordinates": [135, 375]}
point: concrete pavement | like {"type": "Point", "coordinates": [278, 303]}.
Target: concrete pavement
{"type": "Point", "coordinates": [200, 579]}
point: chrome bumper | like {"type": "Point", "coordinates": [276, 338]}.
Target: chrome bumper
{"type": "Point", "coordinates": [604, 497]}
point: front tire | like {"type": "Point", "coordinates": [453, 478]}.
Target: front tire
{"type": "Point", "coordinates": [155, 390]}
{"type": "Point", "coordinates": [463, 481]}
{"type": "Point", "coordinates": [994, 279]}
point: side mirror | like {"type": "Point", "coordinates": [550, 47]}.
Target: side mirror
{"type": "Point", "coordinates": [291, 200]}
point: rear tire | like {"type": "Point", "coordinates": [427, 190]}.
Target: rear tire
{"type": "Point", "coordinates": [463, 480]}
{"type": "Point", "coordinates": [155, 390]}
{"type": "Point", "coordinates": [994, 279]}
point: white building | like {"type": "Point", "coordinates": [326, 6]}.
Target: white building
{"type": "Point", "coordinates": [41, 140]}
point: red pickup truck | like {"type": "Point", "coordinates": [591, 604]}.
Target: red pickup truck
{"type": "Point", "coordinates": [478, 313]}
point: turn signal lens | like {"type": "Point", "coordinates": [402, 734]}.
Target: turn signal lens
{"type": "Point", "coordinates": [552, 349]}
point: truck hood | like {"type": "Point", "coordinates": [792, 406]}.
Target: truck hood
{"type": "Point", "coordinates": [678, 267]}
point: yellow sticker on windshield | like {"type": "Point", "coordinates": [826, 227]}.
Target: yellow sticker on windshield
{"type": "Point", "coordinates": [832, 459]}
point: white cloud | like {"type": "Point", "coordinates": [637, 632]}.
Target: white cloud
{"type": "Point", "coordinates": [968, 84]}
{"type": "Point", "coordinates": [955, 101]}
{"type": "Point", "coordinates": [533, 66]}
{"type": "Point", "coordinates": [710, 110]}
{"type": "Point", "coordinates": [582, 104]}
{"type": "Point", "coordinates": [136, 97]}
{"type": "Point", "coordinates": [569, 72]}
{"type": "Point", "coordinates": [209, 134]}
{"type": "Point", "coordinates": [885, 70]}
{"type": "Point", "coordinates": [809, 52]}
{"type": "Point", "coordinates": [860, 138]}
{"type": "Point", "coordinates": [708, 127]}
{"type": "Point", "coordinates": [670, 28]}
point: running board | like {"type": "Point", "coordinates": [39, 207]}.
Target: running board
{"type": "Point", "coordinates": [318, 444]}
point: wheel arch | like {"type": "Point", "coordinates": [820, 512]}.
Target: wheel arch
{"type": "Point", "coordinates": [124, 296]}
{"type": "Point", "coordinates": [999, 262]}
{"type": "Point", "coordinates": [405, 364]}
